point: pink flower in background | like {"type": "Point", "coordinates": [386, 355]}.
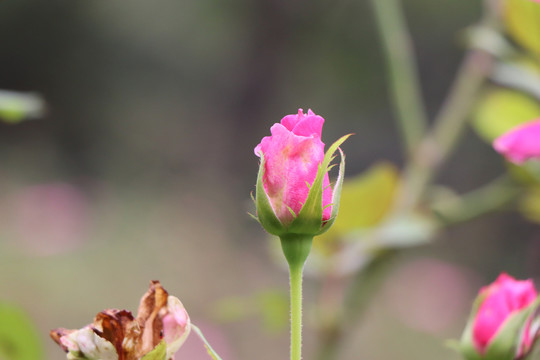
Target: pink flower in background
{"type": "Point", "coordinates": [49, 219]}
{"type": "Point", "coordinates": [292, 157]}
{"type": "Point", "coordinates": [520, 143]}
{"type": "Point", "coordinates": [502, 299]}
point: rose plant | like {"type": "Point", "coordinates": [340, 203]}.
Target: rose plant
{"type": "Point", "coordinates": [294, 198]}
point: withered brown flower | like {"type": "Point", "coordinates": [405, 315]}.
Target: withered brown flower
{"type": "Point", "coordinates": [116, 335]}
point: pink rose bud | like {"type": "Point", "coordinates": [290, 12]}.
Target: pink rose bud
{"type": "Point", "coordinates": [504, 297]}
{"type": "Point", "coordinates": [293, 154]}
{"type": "Point", "coordinates": [520, 143]}
{"type": "Point", "coordinates": [293, 190]}
{"type": "Point", "coordinates": [501, 325]}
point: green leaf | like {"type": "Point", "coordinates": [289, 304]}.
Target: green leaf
{"type": "Point", "coordinates": [522, 19]}
{"type": "Point", "coordinates": [157, 353]}
{"type": "Point", "coordinates": [211, 351]}
{"type": "Point", "coordinates": [18, 337]}
{"type": "Point", "coordinates": [500, 110]}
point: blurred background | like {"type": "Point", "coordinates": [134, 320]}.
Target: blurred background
{"type": "Point", "coordinates": [142, 166]}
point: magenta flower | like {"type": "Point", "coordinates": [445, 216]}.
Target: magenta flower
{"type": "Point", "coordinates": [503, 298]}
{"type": "Point", "coordinates": [292, 157]}
{"type": "Point", "coordinates": [520, 143]}
{"type": "Point", "coordinates": [294, 195]}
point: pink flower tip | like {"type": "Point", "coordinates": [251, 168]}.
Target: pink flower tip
{"type": "Point", "coordinates": [503, 298]}
{"type": "Point", "coordinates": [520, 143]}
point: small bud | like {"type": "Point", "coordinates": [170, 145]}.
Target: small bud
{"type": "Point", "coordinates": [499, 326]}
{"type": "Point", "coordinates": [294, 195]}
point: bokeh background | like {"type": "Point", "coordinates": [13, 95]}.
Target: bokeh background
{"type": "Point", "coordinates": [143, 164]}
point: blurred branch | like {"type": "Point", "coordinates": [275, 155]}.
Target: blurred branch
{"type": "Point", "coordinates": [486, 199]}
{"type": "Point", "coordinates": [401, 62]}
{"type": "Point", "coordinates": [453, 116]}
{"type": "Point", "coordinates": [436, 147]}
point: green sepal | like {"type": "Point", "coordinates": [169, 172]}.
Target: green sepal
{"type": "Point", "coordinates": [309, 219]}
{"type": "Point", "coordinates": [336, 194]}
{"type": "Point", "coordinates": [467, 347]}
{"type": "Point", "coordinates": [157, 353]}
{"type": "Point", "coordinates": [506, 341]}
{"type": "Point", "coordinates": [265, 213]}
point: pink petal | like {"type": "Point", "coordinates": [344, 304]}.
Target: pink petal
{"type": "Point", "coordinates": [520, 143]}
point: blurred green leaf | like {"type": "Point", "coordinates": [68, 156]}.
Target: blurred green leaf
{"type": "Point", "coordinates": [16, 107]}
{"type": "Point", "coordinates": [158, 353]}
{"type": "Point", "coordinates": [500, 110]}
{"type": "Point", "coordinates": [530, 204]}
{"type": "Point", "coordinates": [18, 337]}
{"type": "Point", "coordinates": [365, 200]}
{"type": "Point", "coordinates": [274, 308]}
{"type": "Point", "coordinates": [234, 308]}
{"type": "Point", "coordinates": [522, 18]}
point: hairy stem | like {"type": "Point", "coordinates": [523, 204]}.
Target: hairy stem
{"type": "Point", "coordinates": [296, 311]}
{"type": "Point", "coordinates": [296, 248]}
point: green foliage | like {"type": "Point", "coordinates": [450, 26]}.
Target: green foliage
{"type": "Point", "coordinates": [18, 337]}
{"type": "Point", "coordinates": [16, 107]}
{"type": "Point", "coordinates": [158, 353]}
{"type": "Point", "coordinates": [530, 204]}
{"type": "Point", "coordinates": [522, 18]}
{"type": "Point", "coordinates": [271, 306]}
{"type": "Point", "coordinates": [499, 110]}
{"type": "Point", "coordinates": [274, 309]}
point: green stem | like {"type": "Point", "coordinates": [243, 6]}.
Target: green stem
{"type": "Point", "coordinates": [211, 351]}
{"type": "Point", "coordinates": [296, 249]}
{"type": "Point", "coordinates": [296, 311]}
{"type": "Point", "coordinates": [400, 58]}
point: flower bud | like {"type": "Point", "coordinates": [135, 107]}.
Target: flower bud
{"type": "Point", "coordinates": [116, 335]}
{"type": "Point", "coordinates": [294, 195]}
{"type": "Point", "coordinates": [499, 326]}
{"type": "Point", "coordinates": [520, 143]}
